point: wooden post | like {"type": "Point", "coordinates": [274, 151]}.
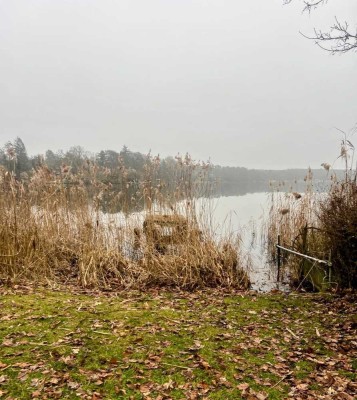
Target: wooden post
{"type": "Point", "coordinates": [279, 258]}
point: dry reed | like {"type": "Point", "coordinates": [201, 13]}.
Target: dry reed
{"type": "Point", "coordinates": [53, 228]}
{"type": "Point", "coordinates": [322, 225]}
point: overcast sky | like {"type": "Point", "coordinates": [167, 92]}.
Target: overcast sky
{"type": "Point", "coordinates": [229, 80]}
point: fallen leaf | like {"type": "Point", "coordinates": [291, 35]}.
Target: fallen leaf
{"type": "Point", "coordinates": [243, 386]}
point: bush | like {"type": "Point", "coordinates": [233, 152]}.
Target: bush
{"type": "Point", "coordinates": [320, 225]}
{"type": "Point", "coordinates": [338, 220]}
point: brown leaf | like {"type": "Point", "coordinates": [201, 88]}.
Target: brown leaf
{"type": "Point", "coordinates": [345, 396]}
{"type": "Point", "coordinates": [261, 396]}
{"type": "Point", "coordinates": [73, 385]}
{"type": "Point", "coordinates": [302, 386]}
{"type": "Point", "coordinates": [243, 386]}
{"type": "Point", "coordinates": [145, 389]}
{"type": "Point", "coordinates": [204, 364]}
{"type": "Point", "coordinates": [168, 385]}
{"type": "Point", "coordinates": [113, 361]}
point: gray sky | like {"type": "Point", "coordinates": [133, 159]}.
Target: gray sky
{"type": "Point", "coordinates": [229, 80]}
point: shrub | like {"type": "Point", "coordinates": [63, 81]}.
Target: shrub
{"type": "Point", "coordinates": [338, 221]}
{"type": "Point", "coordinates": [323, 226]}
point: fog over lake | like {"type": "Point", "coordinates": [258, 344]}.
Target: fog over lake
{"type": "Point", "coordinates": [234, 82]}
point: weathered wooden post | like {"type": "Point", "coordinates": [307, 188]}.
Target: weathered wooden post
{"type": "Point", "coordinates": [329, 264]}
{"type": "Point", "coordinates": [278, 258]}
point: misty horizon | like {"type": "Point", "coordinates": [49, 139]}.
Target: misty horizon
{"type": "Point", "coordinates": [236, 84]}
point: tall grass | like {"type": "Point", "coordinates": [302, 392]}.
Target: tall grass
{"type": "Point", "coordinates": [321, 225]}
{"type": "Point", "coordinates": [53, 228]}
{"type": "Point", "coordinates": [337, 217]}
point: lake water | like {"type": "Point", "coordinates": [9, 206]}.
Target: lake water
{"type": "Point", "coordinates": [244, 216]}
{"type": "Point", "coordinates": [241, 216]}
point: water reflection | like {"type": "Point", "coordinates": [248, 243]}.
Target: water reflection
{"type": "Point", "coordinates": [244, 216]}
{"type": "Point", "coordinates": [238, 216]}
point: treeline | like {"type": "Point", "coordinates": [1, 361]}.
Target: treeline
{"type": "Point", "coordinates": [119, 181]}
{"type": "Point", "coordinates": [112, 167]}
{"type": "Point", "coordinates": [127, 167]}
{"type": "Point", "coordinates": [14, 157]}
{"type": "Point", "coordinates": [240, 180]}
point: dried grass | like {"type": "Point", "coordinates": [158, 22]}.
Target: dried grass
{"type": "Point", "coordinates": [52, 228]}
{"type": "Point", "coordinates": [319, 225]}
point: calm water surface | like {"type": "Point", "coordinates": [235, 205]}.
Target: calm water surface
{"type": "Point", "coordinates": [238, 216]}
{"type": "Point", "coordinates": [244, 216]}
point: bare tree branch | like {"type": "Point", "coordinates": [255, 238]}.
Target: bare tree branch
{"type": "Point", "coordinates": [309, 5]}
{"type": "Point", "coordinates": [340, 39]}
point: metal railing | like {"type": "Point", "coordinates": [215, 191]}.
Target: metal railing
{"type": "Point", "coordinates": [279, 248]}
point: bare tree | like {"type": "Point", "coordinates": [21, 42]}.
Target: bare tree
{"type": "Point", "coordinates": [340, 39]}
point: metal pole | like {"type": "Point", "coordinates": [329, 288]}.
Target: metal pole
{"type": "Point", "coordinates": [303, 255]}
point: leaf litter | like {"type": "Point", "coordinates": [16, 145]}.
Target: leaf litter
{"type": "Point", "coordinates": [163, 344]}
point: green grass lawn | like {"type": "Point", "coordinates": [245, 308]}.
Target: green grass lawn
{"type": "Point", "coordinates": [176, 345]}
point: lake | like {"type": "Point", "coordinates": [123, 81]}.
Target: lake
{"type": "Point", "coordinates": [241, 216]}
{"type": "Point", "coordinates": [244, 216]}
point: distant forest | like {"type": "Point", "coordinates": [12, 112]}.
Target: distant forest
{"type": "Point", "coordinates": [225, 180]}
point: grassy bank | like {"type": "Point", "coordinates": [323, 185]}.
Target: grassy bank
{"type": "Point", "coordinates": [176, 345]}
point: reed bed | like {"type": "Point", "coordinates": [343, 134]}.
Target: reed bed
{"type": "Point", "coordinates": [75, 228]}
{"type": "Point", "coordinates": [321, 225]}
